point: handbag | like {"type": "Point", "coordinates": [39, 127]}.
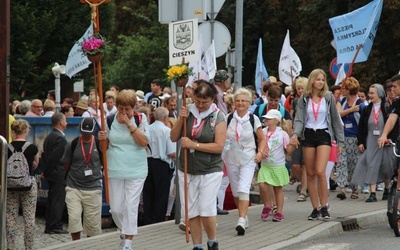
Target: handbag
{"type": "Point", "coordinates": [333, 157]}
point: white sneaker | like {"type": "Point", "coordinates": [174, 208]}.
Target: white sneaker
{"type": "Point", "coordinates": [246, 224]}
{"type": "Point", "coordinates": [182, 226]}
{"type": "Point", "coordinates": [241, 226]}
{"type": "Point", "coordinates": [379, 187]}
{"type": "Point", "coordinates": [364, 189]}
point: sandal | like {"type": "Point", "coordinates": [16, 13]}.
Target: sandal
{"type": "Point", "coordinates": [341, 195]}
{"type": "Point", "coordinates": [354, 195]}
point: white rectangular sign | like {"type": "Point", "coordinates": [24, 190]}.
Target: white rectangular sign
{"type": "Point", "coordinates": [183, 37]}
{"type": "Point", "coordinates": [78, 86]}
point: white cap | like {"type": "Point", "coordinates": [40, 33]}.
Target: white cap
{"type": "Point", "coordinates": [273, 114]}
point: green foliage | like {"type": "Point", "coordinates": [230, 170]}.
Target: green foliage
{"type": "Point", "coordinates": [44, 31]}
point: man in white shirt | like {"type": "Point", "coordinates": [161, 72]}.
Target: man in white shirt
{"type": "Point", "coordinates": [157, 184]}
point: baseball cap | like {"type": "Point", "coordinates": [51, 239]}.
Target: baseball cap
{"type": "Point", "coordinates": [273, 114]}
{"type": "Point", "coordinates": [87, 125]}
{"type": "Point", "coordinates": [221, 76]}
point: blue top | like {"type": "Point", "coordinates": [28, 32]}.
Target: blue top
{"type": "Point", "coordinates": [126, 159]}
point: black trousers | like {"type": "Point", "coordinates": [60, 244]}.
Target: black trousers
{"type": "Point", "coordinates": [156, 191]}
{"type": "Point", "coordinates": [55, 205]}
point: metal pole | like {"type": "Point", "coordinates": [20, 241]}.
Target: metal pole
{"type": "Point", "coordinates": [58, 90]}
{"type": "Point", "coordinates": [239, 43]}
{"type": "Point", "coordinates": [4, 65]}
{"type": "Point", "coordinates": [212, 20]}
{"type": "Point", "coordinates": [3, 191]}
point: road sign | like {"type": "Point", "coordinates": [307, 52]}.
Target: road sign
{"type": "Point", "coordinates": [334, 68]}
{"type": "Point", "coordinates": [222, 37]}
{"type": "Point", "coordinates": [183, 37]}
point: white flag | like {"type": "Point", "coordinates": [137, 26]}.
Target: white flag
{"type": "Point", "coordinates": [211, 60]}
{"type": "Point", "coordinates": [196, 65]}
{"type": "Point", "coordinates": [289, 63]}
{"type": "Point", "coordinates": [76, 61]}
{"type": "Point", "coordinates": [341, 75]}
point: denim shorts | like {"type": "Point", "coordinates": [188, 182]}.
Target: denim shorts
{"type": "Point", "coordinates": [314, 138]}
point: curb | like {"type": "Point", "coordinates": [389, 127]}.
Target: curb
{"type": "Point", "coordinates": [331, 228]}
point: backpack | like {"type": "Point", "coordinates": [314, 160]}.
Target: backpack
{"type": "Point", "coordinates": [230, 116]}
{"type": "Point", "coordinates": [356, 115]}
{"type": "Point", "coordinates": [263, 106]}
{"type": "Point", "coordinates": [136, 115]}
{"type": "Point", "coordinates": [18, 174]}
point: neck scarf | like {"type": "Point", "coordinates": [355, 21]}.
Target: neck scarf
{"type": "Point", "coordinates": [201, 115]}
{"type": "Point", "coordinates": [240, 121]}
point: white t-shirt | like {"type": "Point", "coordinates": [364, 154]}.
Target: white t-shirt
{"type": "Point", "coordinates": [241, 149]}
{"type": "Point", "coordinates": [322, 112]}
{"type": "Point", "coordinates": [276, 147]}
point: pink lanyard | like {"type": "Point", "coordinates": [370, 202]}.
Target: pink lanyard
{"type": "Point", "coordinates": [196, 131]}
{"type": "Point", "coordinates": [87, 159]}
{"type": "Point", "coordinates": [376, 116]}
{"type": "Point", "coordinates": [315, 111]}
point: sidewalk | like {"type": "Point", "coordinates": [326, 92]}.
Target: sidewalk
{"type": "Point", "coordinates": [260, 235]}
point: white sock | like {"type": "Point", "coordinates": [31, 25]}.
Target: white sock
{"type": "Point", "coordinates": [128, 243]}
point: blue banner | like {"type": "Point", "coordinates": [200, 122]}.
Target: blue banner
{"type": "Point", "coordinates": [356, 28]}
{"type": "Point", "coordinates": [261, 72]}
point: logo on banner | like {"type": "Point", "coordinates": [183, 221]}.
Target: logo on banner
{"type": "Point", "coordinates": [183, 35]}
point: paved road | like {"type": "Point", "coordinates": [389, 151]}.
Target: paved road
{"type": "Point", "coordinates": [374, 237]}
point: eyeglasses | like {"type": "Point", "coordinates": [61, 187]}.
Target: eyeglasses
{"type": "Point", "coordinates": [239, 101]}
{"type": "Point", "coordinates": [38, 107]}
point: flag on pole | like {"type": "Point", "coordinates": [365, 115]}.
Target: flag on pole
{"type": "Point", "coordinates": [196, 65]}
{"type": "Point", "coordinates": [211, 60]}
{"type": "Point", "coordinates": [341, 75]}
{"type": "Point", "coordinates": [289, 63]}
{"type": "Point", "coordinates": [355, 28]}
{"type": "Point", "coordinates": [261, 72]}
{"type": "Point", "coordinates": [76, 61]}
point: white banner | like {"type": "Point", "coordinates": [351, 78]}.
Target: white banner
{"type": "Point", "coordinates": [289, 63]}
{"type": "Point", "coordinates": [76, 61]}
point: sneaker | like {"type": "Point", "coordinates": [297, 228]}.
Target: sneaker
{"type": "Point", "coordinates": [324, 213]}
{"type": "Point", "coordinates": [364, 189]}
{"type": "Point", "coordinates": [241, 226]}
{"type": "Point", "coordinates": [314, 214]}
{"type": "Point", "coordinates": [341, 196]}
{"type": "Point", "coordinates": [213, 247]}
{"type": "Point", "coordinates": [182, 226]}
{"type": "Point", "coordinates": [385, 195]}
{"type": "Point", "coordinates": [246, 222]}
{"type": "Point", "coordinates": [265, 213]}
{"type": "Point", "coordinates": [197, 248]}
{"type": "Point", "coordinates": [127, 248]}
{"type": "Point", "coordinates": [328, 207]}
{"type": "Point", "coordinates": [371, 198]}
{"type": "Point", "coordinates": [278, 217]}
{"type": "Point", "coordinates": [379, 187]}
{"type": "Point", "coordinates": [301, 198]}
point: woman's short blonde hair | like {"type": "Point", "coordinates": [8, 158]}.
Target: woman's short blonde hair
{"type": "Point", "coordinates": [49, 105]}
{"type": "Point", "coordinates": [243, 91]}
{"type": "Point", "coordinates": [311, 80]}
{"type": "Point", "coordinates": [126, 97]}
{"type": "Point", "coordinates": [19, 126]}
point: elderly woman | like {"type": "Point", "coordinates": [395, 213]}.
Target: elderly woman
{"type": "Point", "coordinates": [374, 164]}
{"type": "Point", "coordinates": [317, 124]}
{"type": "Point", "coordinates": [127, 163]}
{"type": "Point", "coordinates": [242, 157]}
{"type": "Point", "coordinates": [27, 198]}
{"type": "Point", "coordinates": [349, 109]}
{"type": "Point", "coordinates": [204, 141]}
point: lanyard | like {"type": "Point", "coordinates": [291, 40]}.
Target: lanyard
{"type": "Point", "coordinates": [196, 131]}
{"type": "Point", "coordinates": [315, 111]}
{"type": "Point", "coordinates": [376, 116]}
{"type": "Point", "coordinates": [267, 136]}
{"type": "Point", "coordinates": [87, 159]}
{"type": "Point", "coordinates": [236, 132]}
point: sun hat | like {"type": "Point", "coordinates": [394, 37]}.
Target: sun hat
{"type": "Point", "coordinates": [82, 105]}
{"type": "Point", "coordinates": [221, 76]}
